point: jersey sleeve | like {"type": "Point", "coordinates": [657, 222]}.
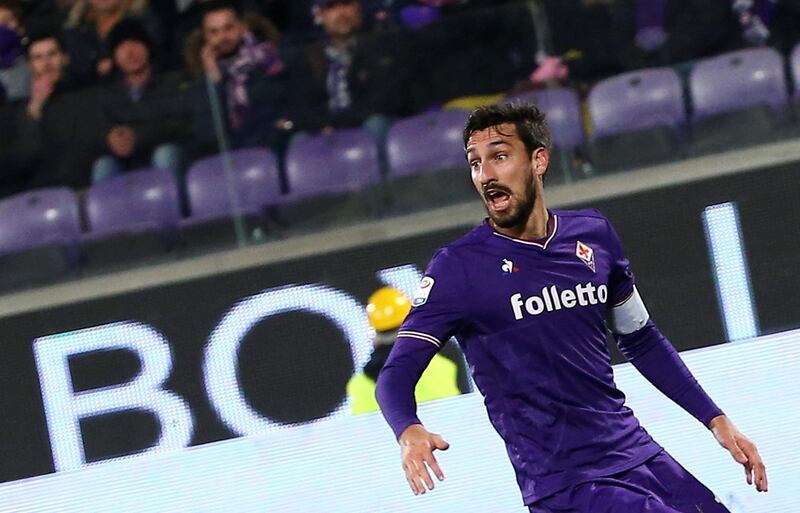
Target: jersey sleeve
{"type": "Point", "coordinates": [621, 281]}
{"type": "Point", "coordinates": [436, 314]}
{"type": "Point", "coordinates": [627, 312]}
{"type": "Point", "coordinates": [439, 305]}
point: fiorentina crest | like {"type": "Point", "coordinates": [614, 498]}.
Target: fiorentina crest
{"type": "Point", "coordinates": [586, 254]}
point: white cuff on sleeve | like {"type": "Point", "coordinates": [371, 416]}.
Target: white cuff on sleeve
{"type": "Point", "coordinates": [629, 316]}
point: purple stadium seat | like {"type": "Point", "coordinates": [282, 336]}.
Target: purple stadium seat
{"type": "Point", "coordinates": [738, 98]}
{"type": "Point", "coordinates": [256, 185]}
{"type": "Point", "coordinates": [39, 234]}
{"type": "Point", "coordinates": [562, 109]}
{"type": "Point", "coordinates": [794, 64]}
{"type": "Point", "coordinates": [427, 166]}
{"type": "Point", "coordinates": [131, 216]}
{"type": "Point", "coordinates": [427, 142]}
{"type": "Point", "coordinates": [39, 217]}
{"type": "Point", "coordinates": [637, 101]}
{"type": "Point", "coordinates": [637, 118]}
{"type": "Point", "coordinates": [336, 177]}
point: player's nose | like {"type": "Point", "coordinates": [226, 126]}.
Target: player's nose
{"type": "Point", "coordinates": [487, 174]}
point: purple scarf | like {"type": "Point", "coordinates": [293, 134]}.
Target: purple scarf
{"type": "Point", "coordinates": [252, 55]}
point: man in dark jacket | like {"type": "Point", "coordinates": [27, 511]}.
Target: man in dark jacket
{"type": "Point", "coordinates": [349, 78]}
{"type": "Point", "coordinates": [144, 112]}
{"type": "Point", "coordinates": [247, 79]}
{"type": "Point", "coordinates": [54, 133]}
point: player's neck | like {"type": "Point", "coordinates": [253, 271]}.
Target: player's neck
{"type": "Point", "coordinates": [534, 229]}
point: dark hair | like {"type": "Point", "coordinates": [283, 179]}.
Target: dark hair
{"type": "Point", "coordinates": [209, 6]}
{"type": "Point", "coordinates": [42, 36]}
{"type": "Point", "coordinates": [526, 117]}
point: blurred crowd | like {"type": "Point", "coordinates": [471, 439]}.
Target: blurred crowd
{"type": "Point", "coordinates": [90, 89]}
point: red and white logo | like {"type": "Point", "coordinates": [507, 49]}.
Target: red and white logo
{"type": "Point", "coordinates": [586, 254]}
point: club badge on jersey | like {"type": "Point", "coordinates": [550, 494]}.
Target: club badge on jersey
{"type": "Point", "coordinates": [586, 254]}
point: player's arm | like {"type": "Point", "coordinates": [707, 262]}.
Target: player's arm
{"type": "Point", "coordinates": [395, 393]}
{"type": "Point", "coordinates": [436, 314]}
{"type": "Point", "coordinates": [656, 359]}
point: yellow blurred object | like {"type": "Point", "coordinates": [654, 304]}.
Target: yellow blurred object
{"type": "Point", "coordinates": [472, 102]}
{"type": "Point", "coordinates": [387, 308]}
{"type": "Point", "coordinates": [439, 380]}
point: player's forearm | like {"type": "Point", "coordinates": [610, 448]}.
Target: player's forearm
{"type": "Point", "coordinates": [397, 381]}
{"type": "Point", "coordinates": [658, 361]}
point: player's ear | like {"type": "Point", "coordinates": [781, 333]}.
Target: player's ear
{"type": "Point", "coordinates": [540, 160]}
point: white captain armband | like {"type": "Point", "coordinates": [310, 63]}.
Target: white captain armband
{"type": "Point", "coordinates": [628, 316]}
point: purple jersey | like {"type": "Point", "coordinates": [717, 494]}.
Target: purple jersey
{"type": "Point", "coordinates": [530, 317]}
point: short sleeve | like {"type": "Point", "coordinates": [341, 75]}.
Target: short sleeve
{"type": "Point", "coordinates": [438, 306]}
{"type": "Point", "coordinates": [621, 281]}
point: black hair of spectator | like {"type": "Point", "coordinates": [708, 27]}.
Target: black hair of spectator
{"type": "Point", "coordinates": [129, 29]}
{"type": "Point", "coordinates": [35, 37]}
{"type": "Point", "coordinates": [209, 6]}
{"type": "Point", "coordinates": [530, 122]}
{"type": "Point", "coordinates": [15, 6]}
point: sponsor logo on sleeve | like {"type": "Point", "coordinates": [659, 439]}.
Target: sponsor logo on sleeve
{"type": "Point", "coordinates": [424, 290]}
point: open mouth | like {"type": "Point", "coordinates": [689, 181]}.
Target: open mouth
{"type": "Point", "coordinates": [498, 200]}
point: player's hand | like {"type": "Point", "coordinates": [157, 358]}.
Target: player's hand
{"type": "Point", "coordinates": [742, 449]}
{"type": "Point", "coordinates": [417, 446]}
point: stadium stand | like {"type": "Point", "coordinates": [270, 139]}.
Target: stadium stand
{"type": "Point", "coordinates": [132, 217]}
{"type": "Point", "coordinates": [243, 183]}
{"type": "Point", "coordinates": [738, 98]}
{"type": "Point", "coordinates": [638, 119]}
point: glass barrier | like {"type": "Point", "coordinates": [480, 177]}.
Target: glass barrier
{"type": "Point", "coordinates": [177, 134]}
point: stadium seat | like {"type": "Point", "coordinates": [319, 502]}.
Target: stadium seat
{"type": "Point", "coordinates": [131, 217]}
{"type": "Point", "coordinates": [427, 167]}
{"type": "Point", "coordinates": [332, 179]}
{"type": "Point", "coordinates": [39, 234]}
{"type": "Point", "coordinates": [637, 119]}
{"type": "Point", "coordinates": [794, 66]}
{"type": "Point", "coordinates": [562, 109]}
{"type": "Point", "coordinates": [216, 197]}
{"type": "Point", "coordinates": [739, 98]}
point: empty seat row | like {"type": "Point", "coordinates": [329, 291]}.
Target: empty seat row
{"type": "Point", "coordinates": [731, 100]}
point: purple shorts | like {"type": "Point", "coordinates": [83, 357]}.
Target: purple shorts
{"type": "Point", "coordinates": [659, 485]}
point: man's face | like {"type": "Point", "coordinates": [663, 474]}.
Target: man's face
{"type": "Point", "coordinates": [131, 56]}
{"type": "Point", "coordinates": [223, 30]}
{"type": "Point", "coordinates": [341, 19]}
{"type": "Point", "coordinates": [106, 6]}
{"type": "Point", "coordinates": [46, 59]}
{"type": "Point", "coordinates": [8, 19]}
{"type": "Point", "coordinates": [503, 174]}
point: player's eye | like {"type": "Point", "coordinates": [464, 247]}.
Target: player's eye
{"type": "Point", "coordinates": [474, 164]}
{"type": "Point", "coordinates": [500, 156]}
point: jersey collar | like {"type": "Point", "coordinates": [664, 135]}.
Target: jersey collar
{"type": "Point", "coordinates": [552, 227]}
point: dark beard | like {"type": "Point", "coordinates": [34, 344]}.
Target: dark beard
{"type": "Point", "coordinates": [520, 214]}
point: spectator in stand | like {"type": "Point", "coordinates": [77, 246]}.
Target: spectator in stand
{"type": "Point", "coordinates": [772, 22]}
{"type": "Point", "coordinates": [666, 32]}
{"type": "Point", "coordinates": [349, 79]}
{"type": "Point", "coordinates": [47, 134]}
{"type": "Point", "coordinates": [61, 115]}
{"type": "Point", "coordinates": [88, 26]}
{"type": "Point", "coordinates": [239, 60]}
{"type": "Point", "coordinates": [14, 77]}
{"type": "Point", "coordinates": [145, 114]}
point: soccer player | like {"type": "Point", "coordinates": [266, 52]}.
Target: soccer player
{"type": "Point", "coordinates": [528, 294]}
